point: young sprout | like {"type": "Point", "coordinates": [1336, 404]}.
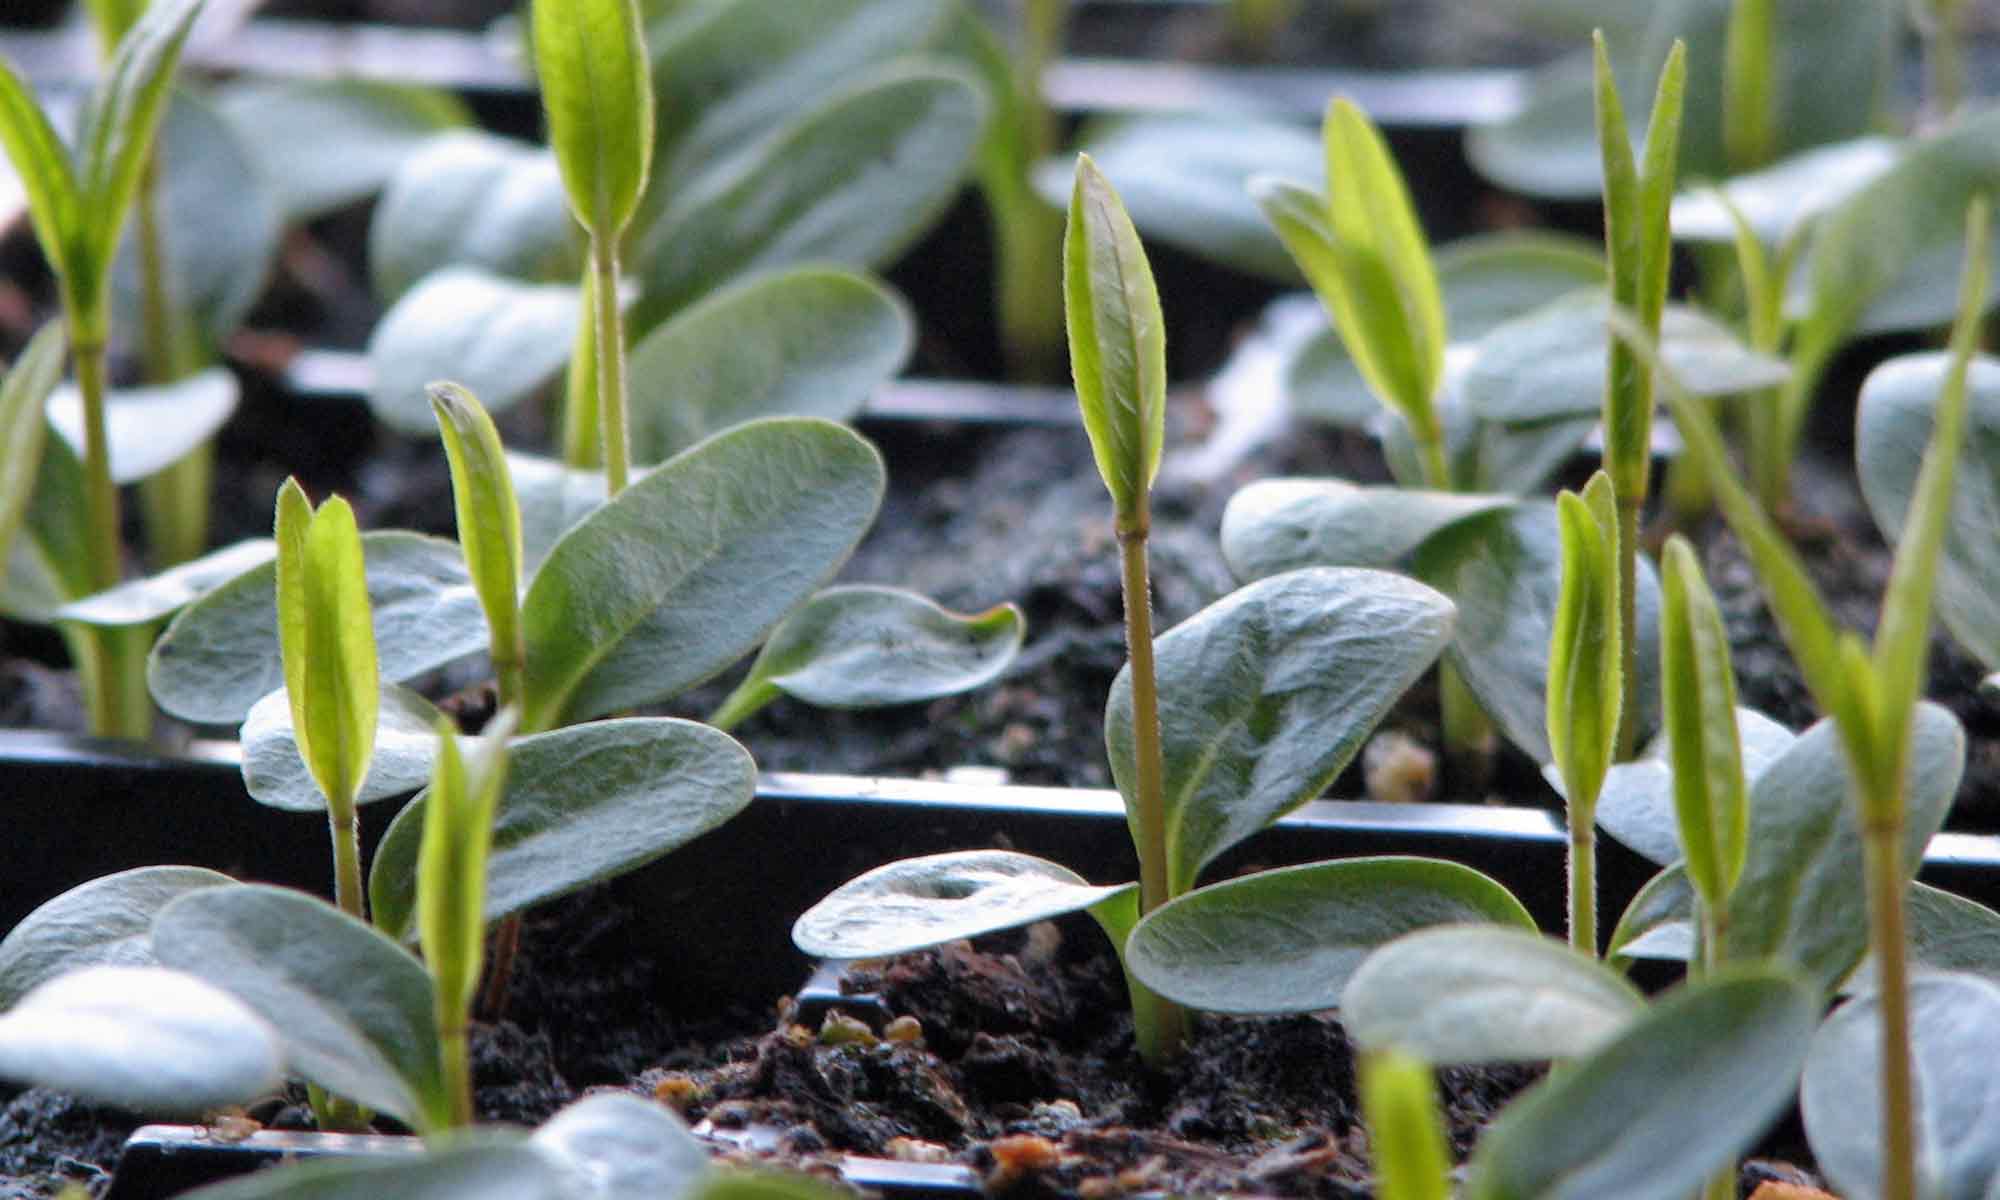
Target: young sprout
{"type": "Point", "coordinates": [1749, 85]}
{"type": "Point", "coordinates": [1586, 686]}
{"type": "Point", "coordinates": [1871, 693]}
{"type": "Point", "coordinates": [327, 640]}
{"type": "Point", "coordinates": [1117, 348]}
{"type": "Point", "coordinates": [1406, 1139]}
{"type": "Point", "coordinates": [597, 89]}
{"type": "Point", "coordinates": [1639, 247]}
{"type": "Point", "coordinates": [489, 525]}
{"type": "Point", "coordinates": [78, 204]}
{"type": "Point", "coordinates": [451, 888]}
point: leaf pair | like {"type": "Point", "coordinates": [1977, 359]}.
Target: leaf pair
{"type": "Point", "coordinates": [1586, 673]}
{"type": "Point", "coordinates": [78, 205]}
{"type": "Point", "coordinates": [327, 642]}
{"type": "Point", "coordinates": [597, 89]}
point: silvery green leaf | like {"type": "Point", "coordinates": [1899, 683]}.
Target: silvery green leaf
{"type": "Point", "coordinates": [1893, 425]}
{"type": "Point", "coordinates": [1550, 363]}
{"type": "Point", "coordinates": [921, 902]}
{"type": "Point", "coordinates": [1947, 933]}
{"type": "Point", "coordinates": [1780, 199]}
{"type": "Point", "coordinates": [105, 922]}
{"type": "Point", "coordinates": [143, 1038]}
{"type": "Point", "coordinates": [808, 342]}
{"type": "Point", "coordinates": [1637, 803]}
{"type": "Point", "coordinates": [485, 1164]}
{"type": "Point", "coordinates": [553, 497]}
{"type": "Point", "coordinates": [1482, 993]}
{"type": "Point", "coordinates": [1501, 570]}
{"type": "Point", "coordinates": [353, 1009]}
{"type": "Point", "coordinates": [1290, 940]}
{"type": "Point", "coordinates": [220, 224]}
{"type": "Point", "coordinates": [654, 784]}
{"type": "Point", "coordinates": [1954, 1020]}
{"type": "Point", "coordinates": [1183, 176]}
{"type": "Point", "coordinates": [141, 601]}
{"type": "Point", "coordinates": [1683, 1089]}
{"type": "Point", "coordinates": [468, 199]}
{"type": "Point", "coordinates": [220, 655]}
{"type": "Point", "coordinates": [151, 428]}
{"type": "Point", "coordinates": [275, 775]}
{"type": "Point", "coordinates": [324, 143]}
{"type": "Point", "coordinates": [617, 1146]}
{"type": "Point", "coordinates": [1658, 923]}
{"type": "Point", "coordinates": [500, 338]}
{"type": "Point", "coordinates": [1267, 693]}
{"type": "Point", "coordinates": [1277, 525]}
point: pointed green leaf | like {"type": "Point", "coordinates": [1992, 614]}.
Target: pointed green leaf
{"type": "Point", "coordinates": [1683, 1090]}
{"type": "Point", "coordinates": [452, 861]}
{"type": "Point", "coordinates": [105, 922]}
{"type": "Point", "coordinates": [221, 654]}
{"type": "Point", "coordinates": [489, 518]}
{"type": "Point", "coordinates": [141, 1038]}
{"type": "Point", "coordinates": [618, 1146]}
{"type": "Point", "coordinates": [151, 428]}
{"type": "Point", "coordinates": [498, 338]}
{"type": "Point", "coordinates": [488, 1164]}
{"type": "Point", "coordinates": [326, 143]}
{"type": "Point", "coordinates": [1278, 525]}
{"type": "Point", "coordinates": [922, 902]}
{"type": "Point", "coordinates": [1585, 688]}
{"type": "Point", "coordinates": [354, 1010]}
{"type": "Point", "coordinates": [851, 180]}
{"type": "Point", "coordinates": [23, 393]}
{"type": "Point", "coordinates": [1502, 570]}
{"type": "Point", "coordinates": [1485, 993]}
{"type": "Point", "coordinates": [1893, 427]}
{"type": "Point", "coordinates": [863, 646]}
{"type": "Point", "coordinates": [1369, 209]}
{"type": "Point", "coordinates": [687, 570]}
{"type": "Point", "coordinates": [590, 56]}
{"type": "Point", "coordinates": [1406, 1139]}
{"type": "Point", "coordinates": [808, 342]}
{"type": "Point", "coordinates": [655, 784]}
{"type": "Point", "coordinates": [328, 642]}
{"type": "Point", "coordinates": [1290, 940]}
{"type": "Point", "coordinates": [275, 775]}
{"type": "Point", "coordinates": [42, 164]}
{"type": "Point", "coordinates": [1954, 1020]}
{"type": "Point", "coordinates": [1117, 340]}
{"type": "Point", "coordinates": [1659, 923]}
{"type": "Point", "coordinates": [1699, 707]}
{"type": "Point", "coordinates": [1268, 693]}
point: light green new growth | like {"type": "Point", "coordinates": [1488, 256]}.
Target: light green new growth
{"type": "Point", "coordinates": [1406, 1141]}
{"type": "Point", "coordinates": [1639, 249]}
{"type": "Point", "coordinates": [1585, 682]}
{"type": "Point", "coordinates": [1117, 348]}
{"type": "Point", "coordinates": [327, 640]}
{"type": "Point", "coordinates": [1698, 701]}
{"type": "Point", "coordinates": [451, 887]}
{"type": "Point", "coordinates": [489, 524]}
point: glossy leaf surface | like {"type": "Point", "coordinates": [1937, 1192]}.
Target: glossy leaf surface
{"type": "Point", "coordinates": [498, 338]}
{"type": "Point", "coordinates": [618, 1146]}
{"type": "Point", "coordinates": [1502, 571]}
{"type": "Point", "coordinates": [1684, 1089]}
{"type": "Point", "coordinates": [141, 1038]}
{"type": "Point", "coordinates": [1278, 525]}
{"type": "Point", "coordinates": [1954, 1020]}
{"type": "Point", "coordinates": [1289, 940]}
{"type": "Point", "coordinates": [687, 569]}
{"type": "Point", "coordinates": [141, 601]}
{"type": "Point", "coordinates": [653, 784]}
{"type": "Point", "coordinates": [1267, 693]}
{"type": "Point", "coordinates": [220, 655]}
{"type": "Point", "coordinates": [809, 342]}
{"type": "Point", "coordinates": [353, 1009]}
{"type": "Point", "coordinates": [1485, 993]}
{"type": "Point", "coordinates": [921, 902]}
{"type": "Point", "coordinates": [275, 775]}
{"type": "Point", "coordinates": [1117, 340]}
{"type": "Point", "coordinates": [105, 922]}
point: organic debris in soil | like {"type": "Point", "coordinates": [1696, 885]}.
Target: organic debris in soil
{"type": "Point", "coordinates": [1024, 1069]}
{"type": "Point", "coordinates": [49, 1140]}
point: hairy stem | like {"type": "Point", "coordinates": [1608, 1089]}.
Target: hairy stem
{"type": "Point", "coordinates": [610, 330]}
{"type": "Point", "coordinates": [457, 1062]}
{"type": "Point", "coordinates": [1628, 625]}
{"type": "Point", "coordinates": [1882, 847]}
{"type": "Point", "coordinates": [348, 893]}
{"type": "Point", "coordinates": [1161, 1023]}
{"type": "Point", "coordinates": [114, 666]}
{"type": "Point", "coordinates": [583, 445]}
{"type": "Point", "coordinates": [1583, 878]}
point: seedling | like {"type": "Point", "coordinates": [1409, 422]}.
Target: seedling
{"type": "Point", "coordinates": [1406, 1136]}
{"type": "Point", "coordinates": [1585, 689]}
{"type": "Point", "coordinates": [78, 205]}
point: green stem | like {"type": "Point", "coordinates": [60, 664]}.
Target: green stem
{"type": "Point", "coordinates": [1466, 729]}
{"type": "Point", "coordinates": [1583, 878]}
{"type": "Point", "coordinates": [610, 333]}
{"type": "Point", "coordinates": [114, 666]}
{"type": "Point", "coordinates": [1027, 231]}
{"type": "Point", "coordinates": [1775, 428]}
{"type": "Point", "coordinates": [1882, 846]}
{"type": "Point", "coordinates": [345, 826]}
{"type": "Point", "coordinates": [1749, 129]}
{"type": "Point", "coordinates": [1628, 625]}
{"type": "Point", "coordinates": [749, 696]}
{"type": "Point", "coordinates": [174, 500]}
{"type": "Point", "coordinates": [1944, 62]}
{"type": "Point", "coordinates": [1162, 1026]}
{"type": "Point", "coordinates": [583, 445]}
{"type": "Point", "coordinates": [457, 1062]}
